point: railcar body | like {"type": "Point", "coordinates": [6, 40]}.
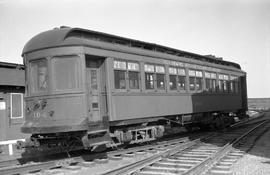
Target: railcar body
{"type": "Point", "coordinates": [98, 88]}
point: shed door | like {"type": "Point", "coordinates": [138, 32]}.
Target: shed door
{"type": "Point", "coordinates": [94, 93]}
{"type": "Point", "coordinates": [3, 118]}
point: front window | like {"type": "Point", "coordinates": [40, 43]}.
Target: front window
{"type": "Point", "coordinates": [65, 73]}
{"type": "Point", "coordinates": [38, 76]}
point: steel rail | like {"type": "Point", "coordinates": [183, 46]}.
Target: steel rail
{"type": "Point", "coordinates": [197, 169]}
{"type": "Point", "coordinates": [25, 168]}
{"type": "Point", "coordinates": [140, 164]}
{"type": "Point", "coordinates": [206, 164]}
{"type": "Point", "coordinates": [131, 168]}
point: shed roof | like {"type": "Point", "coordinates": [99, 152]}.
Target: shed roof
{"type": "Point", "coordinates": [11, 74]}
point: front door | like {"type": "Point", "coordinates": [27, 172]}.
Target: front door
{"type": "Point", "coordinates": [93, 94]}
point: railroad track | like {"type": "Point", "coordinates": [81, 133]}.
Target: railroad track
{"type": "Point", "coordinates": [168, 157]}
{"type": "Point", "coordinates": [14, 167]}
{"type": "Point", "coordinates": [206, 157]}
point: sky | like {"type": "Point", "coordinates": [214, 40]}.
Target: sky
{"type": "Point", "coordinates": [237, 30]}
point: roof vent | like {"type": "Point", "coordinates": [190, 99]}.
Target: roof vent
{"type": "Point", "coordinates": [64, 27]}
{"type": "Point", "coordinates": [214, 57]}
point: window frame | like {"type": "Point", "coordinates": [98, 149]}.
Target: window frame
{"type": "Point", "coordinates": [185, 78]}
{"type": "Point", "coordinates": [234, 79]}
{"type": "Point", "coordinates": [160, 73]}
{"type": "Point", "coordinates": [119, 69]}
{"type": "Point", "coordinates": [196, 81]}
{"type": "Point", "coordinates": [192, 76]}
{"type": "Point", "coordinates": [22, 106]}
{"type": "Point", "coordinates": [214, 89]}
{"type": "Point", "coordinates": [206, 77]}
{"type": "Point", "coordinates": [79, 74]}
{"type": "Point", "coordinates": [29, 77]}
{"type": "Point", "coordinates": [213, 78]}
{"type": "Point", "coordinates": [226, 85]}
{"type": "Point", "coordinates": [221, 83]}
{"type": "Point", "coordinates": [128, 78]}
{"type": "Point", "coordinates": [154, 72]}
{"type": "Point", "coordinates": [176, 78]}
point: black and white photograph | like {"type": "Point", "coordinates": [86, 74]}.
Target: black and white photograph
{"type": "Point", "coordinates": [134, 87]}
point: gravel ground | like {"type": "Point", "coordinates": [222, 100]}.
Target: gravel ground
{"type": "Point", "coordinates": [257, 160]}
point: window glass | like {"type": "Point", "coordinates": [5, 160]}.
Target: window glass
{"type": "Point", "coordinates": [236, 84]}
{"type": "Point", "coordinates": [181, 72]}
{"type": "Point", "coordinates": [191, 73]}
{"type": "Point", "coordinates": [198, 73]}
{"type": "Point", "coordinates": [172, 71]}
{"type": "Point", "coordinates": [133, 66]}
{"type": "Point", "coordinates": [232, 86]}
{"type": "Point", "coordinates": [119, 64]}
{"type": "Point", "coordinates": [149, 68]}
{"type": "Point", "coordinates": [213, 82]}
{"type": "Point", "coordinates": [160, 81]}
{"type": "Point", "coordinates": [214, 85]}
{"type": "Point", "coordinates": [199, 82]}
{"type": "Point", "coordinates": [192, 83]}
{"type": "Point", "coordinates": [182, 82]}
{"type": "Point", "coordinates": [208, 84]}
{"type": "Point", "coordinates": [38, 76]}
{"type": "Point", "coordinates": [173, 82]}
{"type": "Point", "coordinates": [221, 82]}
{"type": "Point", "coordinates": [207, 75]}
{"type": "Point", "coordinates": [133, 80]}
{"type": "Point", "coordinates": [149, 80]}
{"type": "Point", "coordinates": [220, 85]}
{"type": "Point", "coordinates": [119, 79]}
{"type": "Point", "coordinates": [65, 73]}
{"type": "Point", "coordinates": [94, 84]}
{"type": "Point", "coordinates": [16, 101]}
{"type": "Point", "coordinates": [160, 69]}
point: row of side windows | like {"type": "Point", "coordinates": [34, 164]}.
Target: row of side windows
{"type": "Point", "coordinates": [180, 79]}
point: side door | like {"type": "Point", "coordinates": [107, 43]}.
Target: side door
{"type": "Point", "coordinates": [93, 88]}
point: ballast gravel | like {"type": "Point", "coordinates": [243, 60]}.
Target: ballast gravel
{"type": "Point", "coordinates": [257, 160]}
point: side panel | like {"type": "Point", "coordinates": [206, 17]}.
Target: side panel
{"type": "Point", "coordinates": [130, 106]}
{"type": "Point", "coordinates": [66, 111]}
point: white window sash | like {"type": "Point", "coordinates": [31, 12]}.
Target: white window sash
{"type": "Point", "coordinates": [133, 66]}
{"type": "Point", "coordinates": [149, 68]}
{"type": "Point", "coordinates": [11, 107]}
{"type": "Point", "coordinates": [119, 65]}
